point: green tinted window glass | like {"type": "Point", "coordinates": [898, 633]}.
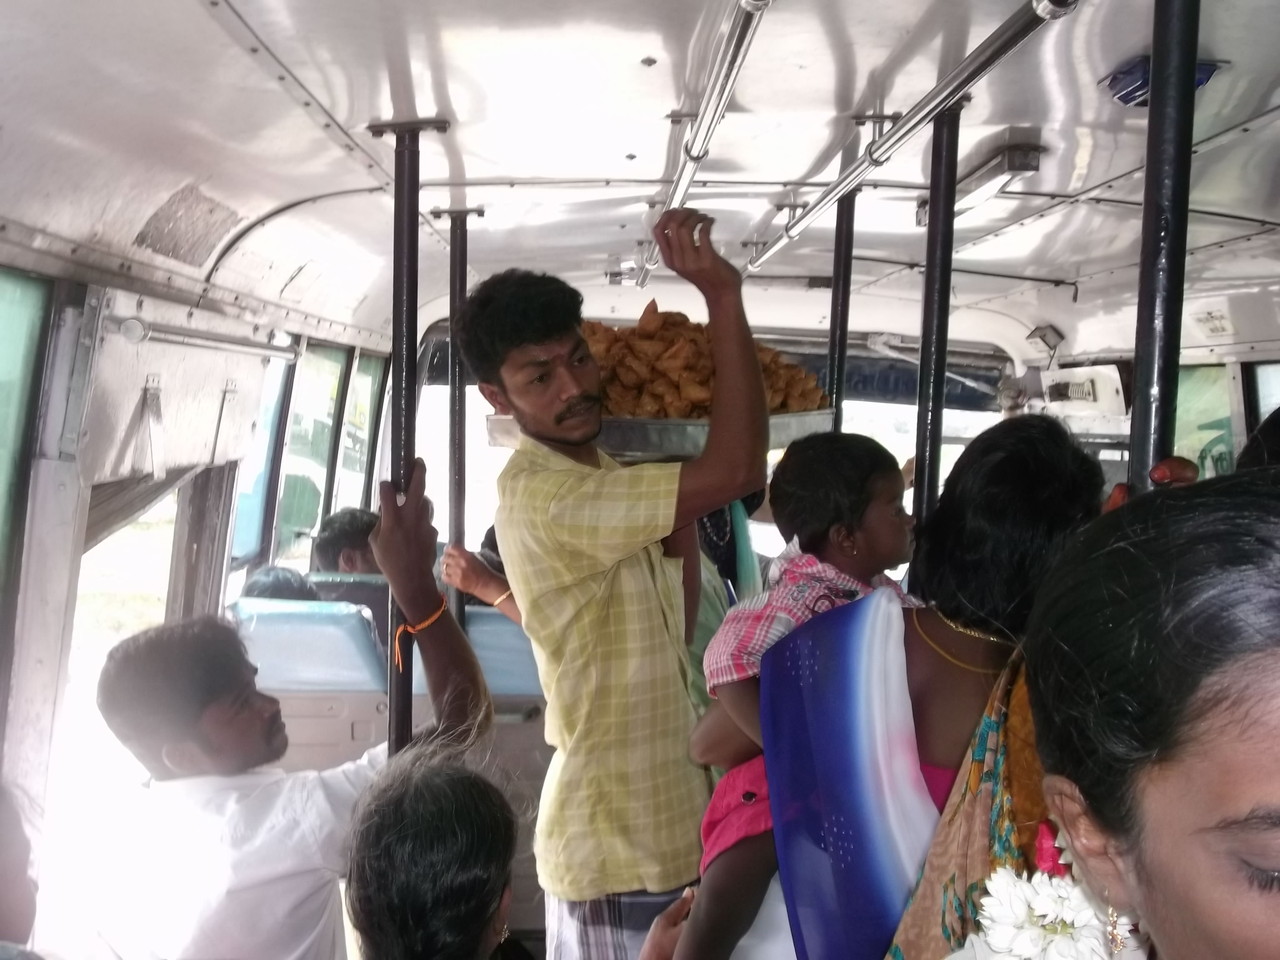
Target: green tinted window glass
{"type": "Point", "coordinates": [306, 456]}
{"type": "Point", "coordinates": [251, 492]}
{"type": "Point", "coordinates": [24, 304]}
{"type": "Point", "coordinates": [1203, 427]}
{"type": "Point", "coordinates": [358, 432]}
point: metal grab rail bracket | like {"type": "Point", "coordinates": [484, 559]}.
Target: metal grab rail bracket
{"type": "Point", "coordinates": [730, 56]}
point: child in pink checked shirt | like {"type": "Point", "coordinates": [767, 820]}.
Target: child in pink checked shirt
{"type": "Point", "coordinates": [838, 498]}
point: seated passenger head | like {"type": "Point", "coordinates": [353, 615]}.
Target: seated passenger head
{"type": "Point", "coordinates": [184, 699]}
{"type": "Point", "coordinates": [342, 545]}
{"type": "Point", "coordinates": [1016, 494]}
{"type": "Point", "coordinates": [1153, 662]}
{"type": "Point", "coordinates": [279, 583]}
{"type": "Point", "coordinates": [1263, 448]}
{"type": "Point", "coordinates": [521, 335]}
{"type": "Point", "coordinates": [429, 870]}
{"type": "Point", "coordinates": [17, 888]}
{"type": "Point", "coordinates": [840, 496]}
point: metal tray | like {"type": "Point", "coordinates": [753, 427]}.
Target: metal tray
{"type": "Point", "coordinates": [634, 439]}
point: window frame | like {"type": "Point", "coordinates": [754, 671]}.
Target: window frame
{"type": "Point", "coordinates": [62, 295]}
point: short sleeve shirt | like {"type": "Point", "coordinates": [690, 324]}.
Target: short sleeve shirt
{"type": "Point", "coordinates": [604, 608]}
{"type": "Point", "coordinates": [800, 587]}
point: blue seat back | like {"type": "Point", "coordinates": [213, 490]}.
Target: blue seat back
{"type": "Point", "coordinates": [308, 647]}
{"type": "Point", "coordinates": [364, 590]}
{"type": "Point", "coordinates": [504, 651]}
{"type": "Point", "coordinates": [852, 817]}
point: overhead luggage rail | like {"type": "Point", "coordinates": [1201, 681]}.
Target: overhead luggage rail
{"type": "Point", "coordinates": [1003, 41]}
{"type": "Point", "coordinates": [730, 57]}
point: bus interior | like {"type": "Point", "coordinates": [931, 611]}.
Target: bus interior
{"type": "Point", "coordinates": [232, 233]}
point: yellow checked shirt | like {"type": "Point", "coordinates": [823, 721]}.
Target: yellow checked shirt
{"type": "Point", "coordinates": [622, 804]}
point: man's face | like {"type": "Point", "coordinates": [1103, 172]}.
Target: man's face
{"type": "Point", "coordinates": [552, 390]}
{"type": "Point", "coordinates": [241, 730]}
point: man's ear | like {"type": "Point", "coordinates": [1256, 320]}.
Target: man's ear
{"type": "Point", "coordinates": [497, 399]}
{"type": "Point", "coordinates": [349, 560]}
{"type": "Point", "coordinates": [1101, 859]}
{"type": "Point", "coordinates": [184, 758]}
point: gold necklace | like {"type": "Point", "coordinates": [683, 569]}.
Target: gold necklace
{"type": "Point", "coordinates": [969, 631]}
{"type": "Point", "coordinates": [915, 617]}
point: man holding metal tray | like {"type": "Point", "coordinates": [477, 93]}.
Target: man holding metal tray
{"type": "Point", "coordinates": [596, 556]}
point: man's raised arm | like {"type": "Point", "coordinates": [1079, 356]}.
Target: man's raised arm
{"type": "Point", "coordinates": [404, 544]}
{"type": "Point", "coordinates": [733, 463]}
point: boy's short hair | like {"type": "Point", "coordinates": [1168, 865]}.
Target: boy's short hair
{"type": "Point", "coordinates": [513, 309]}
{"type": "Point", "coordinates": [155, 685]}
{"type": "Point", "coordinates": [346, 529]}
{"type": "Point", "coordinates": [279, 583]}
{"type": "Point", "coordinates": [824, 481]}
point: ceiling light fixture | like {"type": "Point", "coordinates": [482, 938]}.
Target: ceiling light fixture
{"type": "Point", "coordinates": [991, 177]}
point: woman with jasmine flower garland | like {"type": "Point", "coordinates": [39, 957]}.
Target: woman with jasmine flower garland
{"type": "Point", "coordinates": [1017, 495]}
{"type": "Point", "coordinates": [1153, 666]}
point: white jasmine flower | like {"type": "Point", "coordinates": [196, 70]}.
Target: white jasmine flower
{"type": "Point", "coordinates": [1044, 918]}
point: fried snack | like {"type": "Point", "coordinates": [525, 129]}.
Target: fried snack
{"type": "Point", "coordinates": [662, 368]}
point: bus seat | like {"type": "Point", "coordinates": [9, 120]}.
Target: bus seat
{"type": "Point", "coordinates": [852, 816]}
{"type": "Point", "coordinates": [363, 589]}
{"type": "Point", "coordinates": [504, 651]}
{"type": "Point", "coordinates": [322, 661]}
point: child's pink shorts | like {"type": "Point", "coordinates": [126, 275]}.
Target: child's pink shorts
{"type": "Point", "coordinates": [739, 809]}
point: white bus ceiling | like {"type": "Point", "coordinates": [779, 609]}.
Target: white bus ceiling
{"type": "Point", "coordinates": [214, 151]}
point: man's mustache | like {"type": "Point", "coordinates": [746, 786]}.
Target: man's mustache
{"type": "Point", "coordinates": [584, 404]}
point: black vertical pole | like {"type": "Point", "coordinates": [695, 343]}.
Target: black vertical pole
{"type": "Point", "coordinates": [841, 284]}
{"type": "Point", "coordinates": [1163, 265]}
{"type": "Point", "coordinates": [457, 401]}
{"type": "Point", "coordinates": [937, 308]}
{"type": "Point", "coordinates": [404, 396]}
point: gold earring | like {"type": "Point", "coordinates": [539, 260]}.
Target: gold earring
{"type": "Point", "coordinates": [1115, 939]}
{"type": "Point", "coordinates": [505, 935]}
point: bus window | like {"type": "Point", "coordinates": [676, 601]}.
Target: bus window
{"type": "Point", "coordinates": [358, 425]}
{"type": "Point", "coordinates": [1203, 431]}
{"type": "Point", "coordinates": [1268, 382]}
{"type": "Point", "coordinates": [893, 425]}
{"type": "Point", "coordinates": [484, 462]}
{"type": "Point", "coordinates": [122, 589]}
{"type": "Point", "coordinates": [248, 539]}
{"type": "Point", "coordinates": [306, 456]}
{"type": "Point", "coordinates": [24, 303]}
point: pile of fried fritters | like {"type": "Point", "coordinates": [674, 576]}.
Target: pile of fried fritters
{"type": "Point", "coordinates": [662, 369]}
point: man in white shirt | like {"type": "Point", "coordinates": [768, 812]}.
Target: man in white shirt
{"type": "Point", "coordinates": [228, 859]}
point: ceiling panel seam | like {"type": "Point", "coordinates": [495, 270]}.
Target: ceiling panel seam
{"type": "Point", "coordinates": [247, 37]}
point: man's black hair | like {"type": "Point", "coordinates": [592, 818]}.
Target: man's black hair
{"type": "Point", "coordinates": [156, 684]}
{"type": "Point", "coordinates": [279, 583]}
{"type": "Point", "coordinates": [346, 529]}
{"type": "Point", "coordinates": [513, 309]}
